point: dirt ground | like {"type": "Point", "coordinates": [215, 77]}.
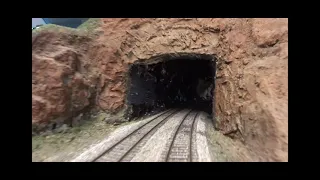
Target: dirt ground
{"type": "Point", "coordinates": [225, 149]}
{"type": "Point", "coordinates": [66, 145]}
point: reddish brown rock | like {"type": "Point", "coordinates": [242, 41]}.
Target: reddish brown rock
{"type": "Point", "coordinates": [251, 86]}
{"type": "Point", "coordinates": [235, 42]}
{"type": "Point", "coordinates": [267, 32]}
{"type": "Point", "coordinates": [60, 84]}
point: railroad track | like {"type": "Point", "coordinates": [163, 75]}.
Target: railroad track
{"type": "Point", "coordinates": [123, 149]}
{"type": "Point", "coordinates": [179, 147]}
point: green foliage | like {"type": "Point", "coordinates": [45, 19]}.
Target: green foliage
{"type": "Point", "coordinates": [90, 24]}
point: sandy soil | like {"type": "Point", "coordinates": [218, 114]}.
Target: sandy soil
{"type": "Point", "coordinates": [225, 149]}
{"type": "Point", "coordinates": [65, 146]}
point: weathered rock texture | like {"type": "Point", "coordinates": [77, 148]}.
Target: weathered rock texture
{"type": "Point", "coordinates": [251, 94]}
{"type": "Point", "coordinates": [61, 84]}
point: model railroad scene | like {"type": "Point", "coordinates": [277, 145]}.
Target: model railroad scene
{"type": "Point", "coordinates": [159, 89]}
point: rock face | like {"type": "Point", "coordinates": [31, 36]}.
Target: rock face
{"type": "Point", "coordinates": [251, 90]}
{"type": "Point", "coordinates": [61, 85]}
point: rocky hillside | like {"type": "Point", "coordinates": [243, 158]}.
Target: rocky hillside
{"type": "Point", "coordinates": [75, 70]}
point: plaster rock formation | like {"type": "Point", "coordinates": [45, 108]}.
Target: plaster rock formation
{"type": "Point", "coordinates": [61, 84]}
{"type": "Point", "coordinates": [251, 90]}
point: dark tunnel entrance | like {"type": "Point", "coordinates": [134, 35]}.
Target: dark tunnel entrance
{"type": "Point", "coordinates": [184, 82]}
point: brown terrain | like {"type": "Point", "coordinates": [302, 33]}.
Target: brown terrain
{"type": "Point", "coordinates": [77, 70]}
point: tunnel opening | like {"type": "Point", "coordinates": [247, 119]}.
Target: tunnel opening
{"type": "Point", "coordinates": [167, 81]}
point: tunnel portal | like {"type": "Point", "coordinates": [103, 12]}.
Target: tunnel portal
{"type": "Point", "coordinates": [184, 82]}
